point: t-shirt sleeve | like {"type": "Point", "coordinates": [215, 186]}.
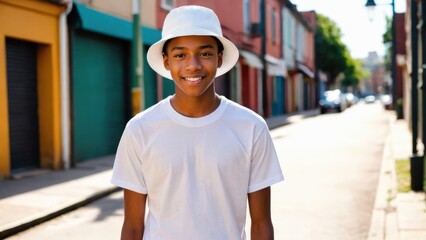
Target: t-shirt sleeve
{"type": "Point", "coordinates": [127, 170]}
{"type": "Point", "coordinates": [265, 168]}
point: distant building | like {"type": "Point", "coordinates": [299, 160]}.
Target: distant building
{"type": "Point", "coordinates": [379, 81]}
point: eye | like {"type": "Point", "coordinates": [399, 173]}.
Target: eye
{"type": "Point", "coordinates": [206, 54]}
{"type": "Point", "coordinates": [179, 55]}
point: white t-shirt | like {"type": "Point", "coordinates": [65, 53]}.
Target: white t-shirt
{"type": "Point", "coordinates": [196, 172]}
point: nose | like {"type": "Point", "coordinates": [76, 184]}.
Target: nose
{"type": "Point", "coordinates": [193, 63]}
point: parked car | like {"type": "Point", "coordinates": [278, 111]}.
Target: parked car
{"type": "Point", "coordinates": [332, 100]}
{"type": "Point", "coordinates": [386, 101]}
{"type": "Point", "coordinates": [370, 99]}
{"type": "Point", "coordinates": [351, 99]}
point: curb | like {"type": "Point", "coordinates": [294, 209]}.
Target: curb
{"type": "Point", "coordinates": [46, 216]}
{"type": "Point", "coordinates": [383, 223]}
{"type": "Point", "coordinates": [280, 121]}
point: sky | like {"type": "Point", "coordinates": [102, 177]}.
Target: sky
{"type": "Point", "coordinates": [360, 35]}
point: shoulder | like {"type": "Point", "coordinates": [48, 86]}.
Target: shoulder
{"type": "Point", "coordinates": [242, 115]}
{"type": "Point", "coordinates": [149, 116]}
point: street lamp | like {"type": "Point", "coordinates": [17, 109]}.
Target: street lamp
{"type": "Point", "coordinates": [371, 4]}
{"type": "Point", "coordinates": [416, 160]}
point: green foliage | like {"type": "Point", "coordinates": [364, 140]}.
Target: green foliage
{"type": "Point", "coordinates": [353, 73]}
{"type": "Point", "coordinates": [387, 40]}
{"type": "Point", "coordinates": [387, 36]}
{"type": "Point", "coordinates": [332, 55]}
{"type": "Point", "coordinates": [402, 168]}
{"type": "Point", "coordinates": [330, 51]}
{"type": "Point", "coordinates": [403, 175]}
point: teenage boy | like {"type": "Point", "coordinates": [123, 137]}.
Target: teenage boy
{"type": "Point", "coordinates": [195, 158]}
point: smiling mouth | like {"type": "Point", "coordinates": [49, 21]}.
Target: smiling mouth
{"type": "Point", "coordinates": [193, 79]}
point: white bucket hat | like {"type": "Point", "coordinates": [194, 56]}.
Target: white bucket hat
{"type": "Point", "coordinates": [191, 20]}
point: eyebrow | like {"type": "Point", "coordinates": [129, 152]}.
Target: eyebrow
{"type": "Point", "coordinates": [207, 46]}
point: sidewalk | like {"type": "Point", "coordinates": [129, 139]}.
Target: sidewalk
{"type": "Point", "coordinates": [45, 195]}
{"type": "Point", "coordinates": [397, 216]}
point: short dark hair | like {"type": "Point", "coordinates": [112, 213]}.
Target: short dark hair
{"type": "Point", "coordinates": [220, 47]}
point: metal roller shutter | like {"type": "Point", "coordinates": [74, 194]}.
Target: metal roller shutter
{"type": "Point", "coordinates": [21, 57]}
{"type": "Point", "coordinates": [100, 94]}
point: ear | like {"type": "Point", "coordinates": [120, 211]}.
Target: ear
{"type": "Point", "coordinates": [219, 59]}
{"type": "Point", "coordinates": [166, 61]}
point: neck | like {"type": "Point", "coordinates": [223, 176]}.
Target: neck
{"type": "Point", "coordinates": [195, 106]}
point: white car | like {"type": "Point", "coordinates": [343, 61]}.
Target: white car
{"type": "Point", "coordinates": [370, 99]}
{"type": "Point", "coordinates": [332, 100]}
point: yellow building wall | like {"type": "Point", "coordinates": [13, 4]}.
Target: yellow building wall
{"type": "Point", "coordinates": [36, 21]}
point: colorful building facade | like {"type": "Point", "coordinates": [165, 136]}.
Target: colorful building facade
{"type": "Point", "coordinates": [30, 111]}
{"type": "Point", "coordinates": [73, 60]}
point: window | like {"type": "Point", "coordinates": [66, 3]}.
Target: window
{"type": "Point", "coordinates": [289, 29]}
{"type": "Point", "coordinates": [168, 4]}
{"type": "Point", "coordinates": [246, 16]}
{"type": "Point", "coordinates": [273, 25]}
{"type": "Point", "coordinates": [300, 42]}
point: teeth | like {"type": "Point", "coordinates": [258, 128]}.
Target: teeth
{"type": "Point", "coordinates": [193, 79]}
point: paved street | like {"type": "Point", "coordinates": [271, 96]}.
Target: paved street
{"type": "Point", "coordinates": [331, 163]}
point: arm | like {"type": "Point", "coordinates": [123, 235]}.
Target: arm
{"type": "Point", "coordinates": [134, 215]}
{"type": "Point", "coordinates": [260, 214]}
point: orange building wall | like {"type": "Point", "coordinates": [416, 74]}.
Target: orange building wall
{"type": "Point", "coordinates": [36, 21]}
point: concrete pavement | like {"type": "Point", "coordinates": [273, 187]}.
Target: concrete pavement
{"type": "Point", "coordinates": [43, 195]}
{"type": "Point", "coordinates": [397, 216]}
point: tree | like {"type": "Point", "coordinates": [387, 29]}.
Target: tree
{"type": "Point", "coordinates": [333, 57]}
{"type": "Point", "coordinates": [387, 41]}
{"type": "Point", "coordinates": [353, 73]}
{"type": "Point", "coordinates": [330, 51]}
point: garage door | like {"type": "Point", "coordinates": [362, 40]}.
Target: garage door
{"type": "Point", "coordinates": [100, 95]}
{"type": "Point", "coordinates": [22, 102]}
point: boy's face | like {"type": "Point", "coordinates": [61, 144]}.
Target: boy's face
{"type": "Point", "coordinates": [192, 62]}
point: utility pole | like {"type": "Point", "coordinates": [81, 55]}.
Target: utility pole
{"type": "Point", "coordinates": [395, 98]}
{"type": "Point", "coordinates": [416, 160]}
{"type": "Point", "coordinates": [371, 4]}
{"type": "Point", "coordinates": [138, 103]}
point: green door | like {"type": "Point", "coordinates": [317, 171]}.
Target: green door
{"type": "Point", "coordinates": [100, 93]}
